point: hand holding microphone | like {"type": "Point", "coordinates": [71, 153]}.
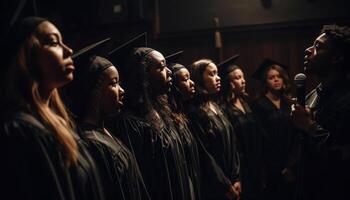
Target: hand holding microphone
{"type": "Point", "coordinates": [301, 116]}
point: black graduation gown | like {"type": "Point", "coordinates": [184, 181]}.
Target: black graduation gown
{"type": "Point", "coordinates": [280, 146]}
{"type": "Point", "coordinates": [249, 136]}
{"type": "Point", "coordinates": [33, 165]}
{"type": "Point", "coordinates": [121, 178]}
{"type": "Point", "coordinates": [160, 156]}
{"type": "Point", "coordinates": [219, 156]}
{"type": "Point", "coordinates": [327, 152]}
{"type": "Point", "coordinates": [192, 158]}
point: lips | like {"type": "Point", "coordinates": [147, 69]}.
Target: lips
{"type": "Point", "coordinates": [192, 90]}
{"type": "Point", "coordinates": [70, 66]}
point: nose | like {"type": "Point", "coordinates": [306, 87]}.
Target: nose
{"type": "Point", "coordinates": [67, 51]}
{"type": "Point", "coordinates": [121, 90]}
{"type": "Point", "coordinates": [218, 78]}
{"type": "Point", "coordinates": [308, 50]}
{"type": "Point", "coordinates": [168, 71]}
{"type": "Point", "coordinates": [191, 83]}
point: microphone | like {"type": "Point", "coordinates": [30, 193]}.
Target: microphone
{"type": "Point", "coordinates": [299, 81]}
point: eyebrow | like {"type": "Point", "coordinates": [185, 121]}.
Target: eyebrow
{"type": "Point", "coordinates": [318, 41]}
{"type": "Point", "coordinates": [57, 35]}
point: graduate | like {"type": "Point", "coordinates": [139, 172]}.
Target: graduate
{"type": "Point", "coordinates": [182, 92]}
{"type": "Point", "coordinates": [95, 95]}
{"type": "Point", "coordinates": [214, 131]}
{"type": "Point", "coordinates": [42, 157]}
{"type": "Point", "coordinates": [280, 143]}
{"type": "Point", "coordinates": [146, 126]}
{"type": "Point", "coordinates": [234, 101]}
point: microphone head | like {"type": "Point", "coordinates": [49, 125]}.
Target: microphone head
{"type": "Point", "coordinates": [299, 79]}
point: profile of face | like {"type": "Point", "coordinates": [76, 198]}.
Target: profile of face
{"type": "Point", "coordinates": [112, 93]}
{"type": "Point", "coordinates": [52, 57]}
{"type": "Point", "coordinates": [318, 57]}
{"type": "Point", "coordinates": [237, 81]}
{"type": "Point", "coordinates": [211, 79]}
{"type": "Point", "coordinates": [184, 83]}
{"type": "Point", "coordinates": [159, 73]}
{"type": "Point", "coordinates": [274, 80]}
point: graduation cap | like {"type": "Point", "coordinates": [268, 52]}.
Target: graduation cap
{"type": "Point", "coordinates": [121, 53]}
{"type": "Point", "coordinates": [227, 66]}
{"type": "Point", "coordinates": [263, 66]}
{"type": "Point", "coordinates": [90, 49]}
{"type": "Point", "coordinates": [130, 54]}
{"type": "Point", "coordinates": [173, 58]}
{"type": "Point", "coordinates": [172, 61]}
{"type": "Point", "coordinates": [84, 59]}
{"type": "Point", "coordinates": [89, 66]}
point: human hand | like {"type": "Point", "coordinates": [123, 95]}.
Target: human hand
{"type": "Point", "coordinates": [302, 117]}
{"type": "Point", "coordinates": [288, 175]}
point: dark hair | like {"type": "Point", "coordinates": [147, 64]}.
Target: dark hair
{"type": "Point", "coordinates": [139, 97]}
{"type": "Point", "coordinates": [287, 87]}
{"type": "Point", "coordinates": [176, 100]}
{"type": "Point", "coordinates": [226, 93]}
{"type": "Point", "coordinates": [197, 71]}
{"type": "Point", "coordinates": [340, 38]}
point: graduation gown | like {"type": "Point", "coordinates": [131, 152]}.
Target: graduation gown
{"type": "Point", "coordinates": [219, 157]}
{"type": "Point", "coordinates": [33, 164]}
{"type": "Point", "coordinates": [249, 142]}
{"type": "Point", "coordinates": [280, 145]}
{"type": "Point", "coordinates": [121, 178]}
{"type": "Point", "coordinates": [192, 158]}
{"type": "Point", "coordinates": [160, 155]}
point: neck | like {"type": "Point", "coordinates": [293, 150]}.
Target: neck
{"type": "Point", "coordinates": [45, 94]}
{"type": "Point", "coordinates": [273, 95]}
{"type": "Point", "coordinates": [94, 119]}
{"type": "Point", "coordinates": [329, 80]}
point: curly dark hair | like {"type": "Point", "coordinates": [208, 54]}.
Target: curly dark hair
{"type": "Point", "coordinates": [340, 38]}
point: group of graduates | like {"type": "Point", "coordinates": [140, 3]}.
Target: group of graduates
{"type": "Point", "coordinates": [131, 123]}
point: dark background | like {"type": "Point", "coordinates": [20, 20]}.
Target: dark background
{"type": "Point", "coordinates": [278, 29]}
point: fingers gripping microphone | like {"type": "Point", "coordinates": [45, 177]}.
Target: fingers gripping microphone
{"type": "Point", "coordinates": [299, 81]}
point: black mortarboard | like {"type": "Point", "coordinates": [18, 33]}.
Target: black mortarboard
{"type": "Point", "coordinates": [90, 49]}
{"type": "Point", "coordinates": [130, 53]}
{"type": "Point", "coordinates": [263, 66]}
{"type": "Point", "coordinates": [88, 68]}
{"type": "Point", "coordinates": [173, 58]}
{"type": "Point", "coordinates": [172, 61]}
{"type": "Point", "coordinates": [226, 66]}
{"type": "Point", "coordinates": [84, 59]}
{"type": "Point", "coordinates": [120, 54]}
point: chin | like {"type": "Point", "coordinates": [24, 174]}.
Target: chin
{"type": "Point", "coordinates": [69, 77]}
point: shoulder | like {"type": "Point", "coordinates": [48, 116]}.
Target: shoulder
{"type": "Point", "coordinates": [21, 124]}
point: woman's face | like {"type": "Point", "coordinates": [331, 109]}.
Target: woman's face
{"type": "Point", "coordinates": [237, 81]}
{"type": "Point", "coordinates": [112, 93]}
{"type": "Point", "coordinates": [52, 57]}
{"type": "Point", "coordinates": [274, 81]}
{"type": "Point", "coordinates": [159, 73]}
{"type": "Point", "coordinates": [185, 84]}
{"type": "Point", "coordinates": [211, 79]}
